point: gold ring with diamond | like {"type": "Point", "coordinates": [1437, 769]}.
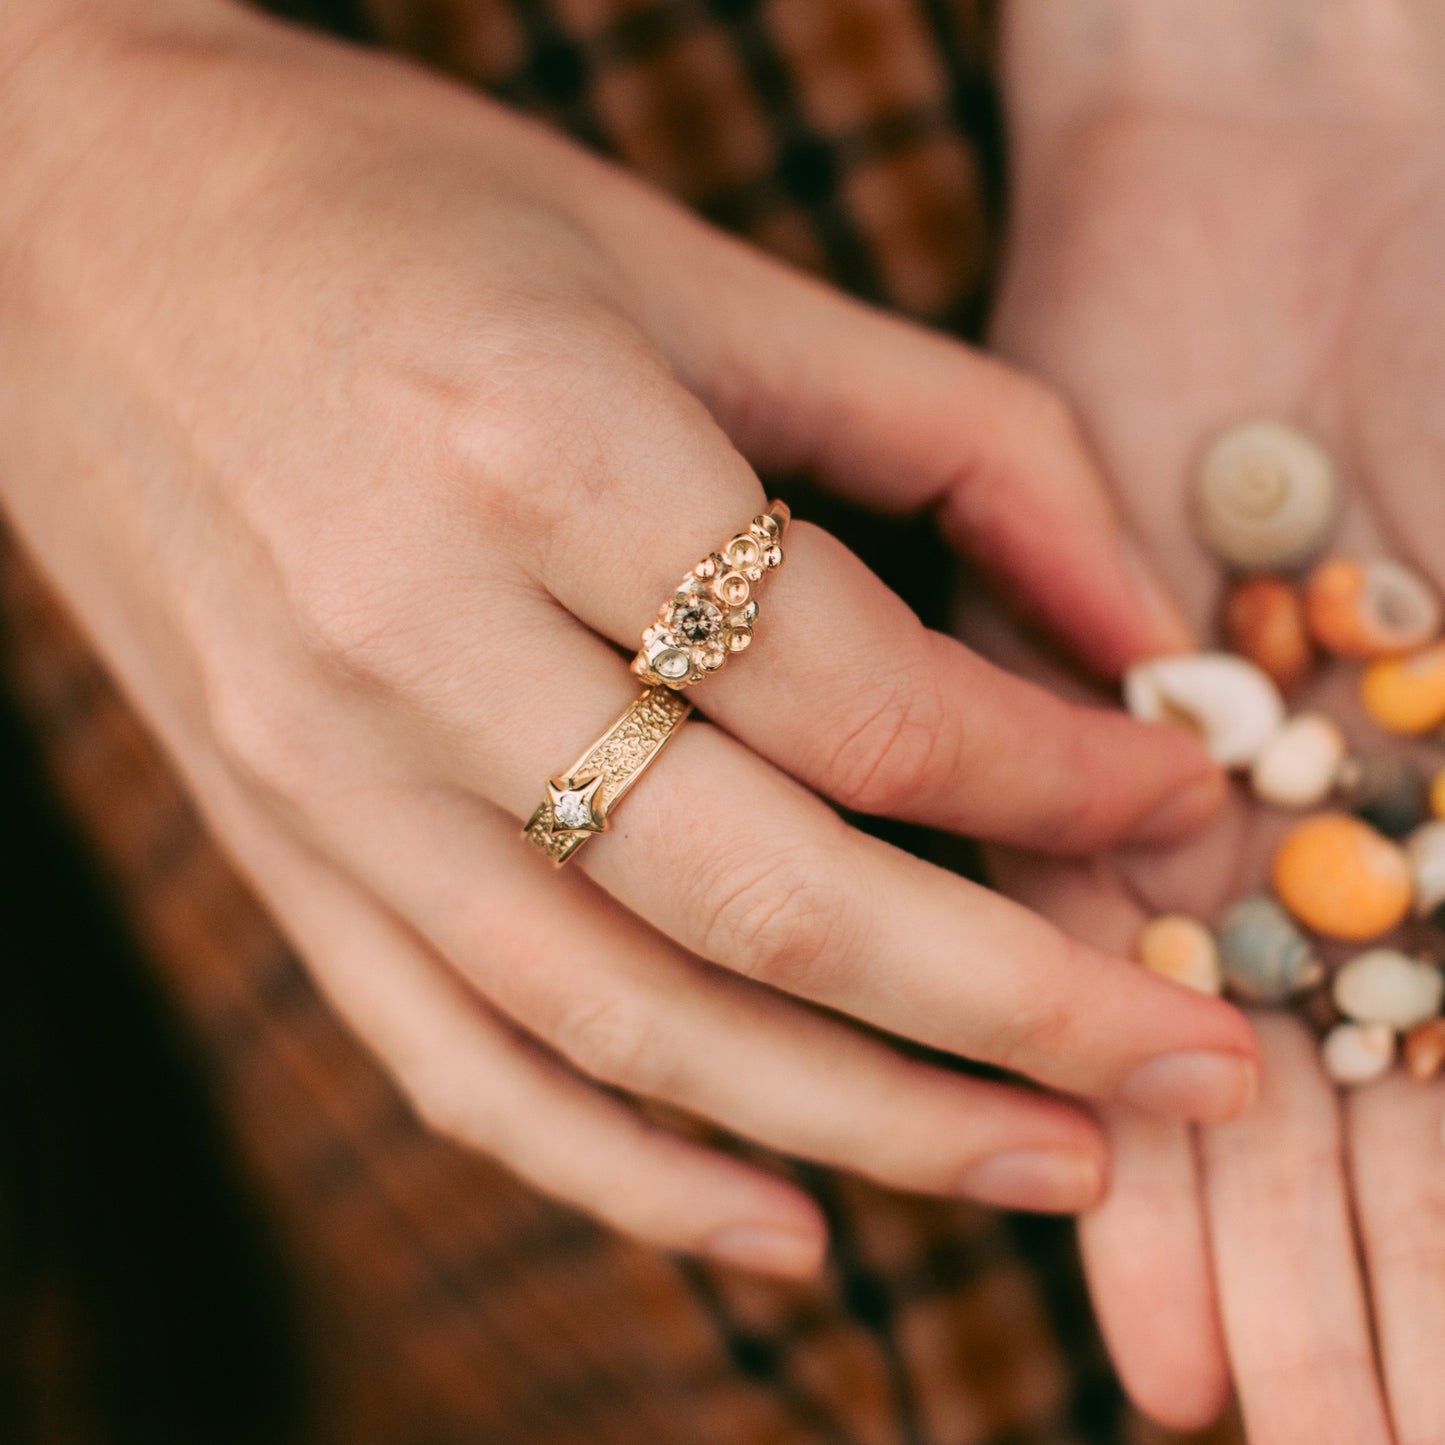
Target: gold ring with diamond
{"type": "Point", "coordinates": [713, 612]}
{"type": "Point", "coordinates": [580, 801]}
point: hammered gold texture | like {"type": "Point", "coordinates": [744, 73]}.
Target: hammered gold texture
{"type": "Point", "coordinates": [619, 755]}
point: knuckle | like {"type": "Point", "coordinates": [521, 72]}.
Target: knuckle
{"type": "Point", "coordinates": [261, 739]}
{"type": "Point", "coordinates": [446, 1110]}
{"type": "Point", "coordinates": [614, 1042]}
{"type": "Point", "coordinates": [782, 919]}
{"type": "Point", "coordinates": [903, 739]}
{"type": "Point", "coordinates": [351, 633]}
{"type": "Point", "coordinates": [1039, 1031]}
{"type": "Point", "coordinates": [1081, 808]}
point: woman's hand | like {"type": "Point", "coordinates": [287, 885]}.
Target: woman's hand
{"type": "Point", "coordinates": [362, 423]}
{"type": "Point", "coordinates": [1222, 212]}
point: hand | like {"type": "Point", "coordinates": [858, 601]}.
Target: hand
{"type": "Point", "coordinates": [1190, 253]}
{"type": "Point", "coordinates": [362, 423]}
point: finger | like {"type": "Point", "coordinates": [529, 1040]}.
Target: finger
{"type": "Point", "coordinates": [903, 419]}
{"type": "Point", "coordinates": [1398, 1173]}
{"type": "Point", "coordinates": [844, 687]}
{"type": "Point", "coordinates": [1146, 1240]}
{"type": "Point", "coordinates": [740, 865]}
{"type": "Point", "coordinates": [477, 1081]}
{"type": "Point", "coordinates": [633, 1011]}
{"type": "Point", "coordinates": [1293, 1304]}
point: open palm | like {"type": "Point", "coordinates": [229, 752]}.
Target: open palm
{"type": "Point", "coordinates": [1175, 272]}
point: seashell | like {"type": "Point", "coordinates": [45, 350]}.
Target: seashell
{"type": "Point", "coordinates": [1406, 694]}
{"type": "Point", "coordinates": [1384, 790]}
{"type": "Point", "coordinates": [1266, 497]}
{"type": "Point", "coordinates": [1437, 794]}
{"type": "Point", "coordinates": [1357, 1053]}
{"type": "Point", "coordinates": [1227, 700]}
{"type": "Point", "coordinates": [1183, 949]}
{"type": "Point", "coordinates": [1425, 848]}
{"type": "Point", "coordinates": [1425, 1050]}
{"type": "Point", "coordinates": [1300, 763]}
{"type": "Point", "coordinates": [1263, 619]}
{"type": "Point", "coordinates": [1370, 609]}
{"type": "Point", "coordinates": [1339, 877]}
{"type": "Point", "coordinates": [1385, 986]}
{"type": "Point", "coordinates": [1263, 955]}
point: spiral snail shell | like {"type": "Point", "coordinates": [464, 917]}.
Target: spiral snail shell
{"type": "Point", "coordinates": [1266, 497]}
{"type": "Point", "coordinates": [1265, 958]}
{"type": "Point", "coordinates": [1379, 608]}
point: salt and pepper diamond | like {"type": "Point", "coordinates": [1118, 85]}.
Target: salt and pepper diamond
{"type": "Point", "coordinates": [713, 610]}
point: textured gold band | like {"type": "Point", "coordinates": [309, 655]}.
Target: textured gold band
{"type": "Point", "coordinates": [579, 802]}
{"type": "Point", "coordinates": [712, 613]}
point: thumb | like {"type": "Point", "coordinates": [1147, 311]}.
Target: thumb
{"type": "Point", "coordinates": [903, 420]}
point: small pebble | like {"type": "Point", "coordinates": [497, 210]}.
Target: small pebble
{"type": "Point", "coordinates": [1265, 958]}
{"type": "Point", "coordinates": [1233, 705]}
{"type": "Point", "coordinates": [1425, 1050]}
{"type": "Point", "coordinates": [1266, 497]}
{"type": "Point", "coordinates": [1384, 790]}
{"type": "Point", "coordinates": [1341, 878]}
{"type": "Point", "coordinates": [1357, 1053]}
{"type": "Point", "coordinates": [1183, 949]}
{"type": "Point", "coordinates": [1406, 694]}
{"type": "Point", "coordinates": [1370, 609]}
{"type": "Point", "coordinates": [1299, 765]}
{"type": "Point", "coordinates": [1385, 986]}
{"type": "Point", "coordinates": [1263, 619]}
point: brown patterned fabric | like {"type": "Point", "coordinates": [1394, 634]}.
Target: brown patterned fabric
{"type": "Point", "coordinates": [447, 1303]}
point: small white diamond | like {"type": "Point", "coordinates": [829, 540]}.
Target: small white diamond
{"type": "Point", "coordinates": [573, 810]}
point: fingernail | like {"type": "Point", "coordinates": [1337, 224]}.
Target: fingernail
{"type": "Point", "coordinates": [1157, 608]}
{"type": "Point", "coordinates": [1203, 1087]}
{"type": "Point", "coordinates": [1049, 1181]}
{"type": "Point", "coordinates": [1182, 812]}
{"type": "Point", "coordinates": [767, 1249]}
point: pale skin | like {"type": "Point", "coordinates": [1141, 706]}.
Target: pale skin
{"type": "Point", "coordinates": [1225, 211]}
{"type": "Point", "coordinates": [364, 426]}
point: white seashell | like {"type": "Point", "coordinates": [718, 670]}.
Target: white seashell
{"type": "Point", "coordinates": [1231, 703]}
{"type": "Point", "coordinates": [1425, 848]}
{"type": "Point", "coordinates": [1357, 1053]}
{"type": "Point", "coordinates": [1266, 497]}
{"type": "Point", "coordinates": [1385, 986]}
{"type": "Point", "coordinates": [1299, 764]}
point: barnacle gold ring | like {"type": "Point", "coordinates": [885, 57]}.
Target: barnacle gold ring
{"type": "Point", "coordinates": [708, 617]}
{"type": "Point", "coordinates": [579, 801]}
{"type": "Point", "coordinates": [713, 611]}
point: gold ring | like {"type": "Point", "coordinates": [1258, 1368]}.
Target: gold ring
{"type": "Point", "coordinates": [580, 801]}
{"type": "Point", "coordinates": [713, 612]}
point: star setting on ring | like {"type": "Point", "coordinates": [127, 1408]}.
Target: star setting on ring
{"type": "Point", "coordinates": [574, 805]}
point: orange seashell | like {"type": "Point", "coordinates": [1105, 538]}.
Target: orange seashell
{"type": "Point", "coordinates": [1370, 609]}
{"type": "Point", "coordinates": [1406, 694]}
{"type": "Point", "coordinates": [1183, 949]}
{"type": "Point", "coordinates": [1343, 879]}
{"type": "Point", "coordinates": [1263, 619]}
